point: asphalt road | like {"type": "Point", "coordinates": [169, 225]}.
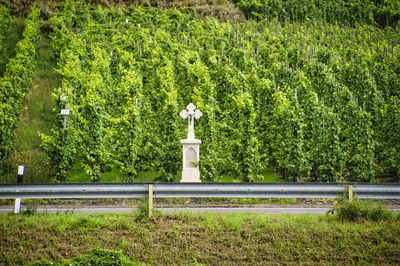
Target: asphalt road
{"type": "Point", "coordinates": [92, 209]}
{"type": "Point", "coordinates": [96, 209]}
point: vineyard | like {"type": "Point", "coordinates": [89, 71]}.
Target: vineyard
{"type": "Point", "coordinates": [380, 13]}
{"type": "Point", "coordinates": [17, 78]}
{"type": "Point", "coordinates": [314, 98]}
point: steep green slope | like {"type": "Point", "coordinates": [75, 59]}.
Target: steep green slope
{"type": "Point", "coordinates": [15, 82]}
{"type": "Point", "coordinates": [309, 93]}
{"type": "Point", "coordinates": [38, 116]}
{"type": "Point", "coordinates": [317, 101]}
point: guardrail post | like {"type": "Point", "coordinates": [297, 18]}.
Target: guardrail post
{"type": "Point", "coordinates": [17, 206]}
{"type": "Point", "coordinates": [350, 191]}
{"type": "Point", "coordinates": [150, 200]}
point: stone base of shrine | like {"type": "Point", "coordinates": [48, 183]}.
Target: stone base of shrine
{"type": "Point", "coordinates": [190, 176]}
{"type": "Point", "coordinates": [190, 167]}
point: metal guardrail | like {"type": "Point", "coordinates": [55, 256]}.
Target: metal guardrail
{"type": "Point", "coordinates": [249, 190]}
{"type": "Point", "coordinates": [193, 190]}
{"type": "Point", "coordinates": [92, 190]}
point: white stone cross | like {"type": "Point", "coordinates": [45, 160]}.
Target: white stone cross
{"type": "Point", "coordinates": [191, 113]}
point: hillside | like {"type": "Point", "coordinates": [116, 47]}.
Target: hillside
{"type": "Point", "coordinates": [313, 98]}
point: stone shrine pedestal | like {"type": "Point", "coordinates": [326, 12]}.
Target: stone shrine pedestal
{"type": "Point", "coordinates": [191, 151]}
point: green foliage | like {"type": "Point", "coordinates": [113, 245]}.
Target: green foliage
{"type": "Point", "coordinates": [358, 210]}
{"type": "Point", "coordinates": [31, 208]}
{"type": "Point", "coordinates": [95, 257]}
{"type": "Point", "coordinates": [381, 13]}
{"type": "Point", "coordinates": [245, 146]}
{"type": "Point", "coordinates": [4, 22]}
{"type": "Point", "coordinates": [12, 35]}
{"type": "Point", "coordinates": [16, 81]}
{"type": "Point", "coordinates": [143, 211]}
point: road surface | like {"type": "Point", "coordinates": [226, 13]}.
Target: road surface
{"type": "Point", "coordinates": [113, 209]}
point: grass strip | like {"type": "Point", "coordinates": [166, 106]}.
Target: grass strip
{"type": "Point", "coordinates": [185, 238]}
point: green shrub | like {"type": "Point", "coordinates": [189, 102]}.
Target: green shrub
{"type": "Point", "coordinates": [143, 211]}
{"type": "Point", "coordinates": [31, 208]}
{"type": "Point", "coordinates": [95, 257]}
{"type": "Point", "coordinates": [358, 210]}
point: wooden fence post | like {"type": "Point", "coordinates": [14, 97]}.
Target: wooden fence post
{"type": "Point", "coordinates": [350, 190]}
{"type": "Point", "coordinates": [150, 200]}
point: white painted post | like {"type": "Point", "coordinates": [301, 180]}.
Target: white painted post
{"type": "Point", "coordinates": [21, 171]}
{"type": "Point", "coordinates": [20, 179]}
{"type": "Point", "coordinates": [65, 113]}
{"type": "Point", "coordinates": [17, 207]}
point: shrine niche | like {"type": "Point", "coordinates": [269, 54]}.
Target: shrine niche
{"type": "Point", "coordinates": [191, 156]}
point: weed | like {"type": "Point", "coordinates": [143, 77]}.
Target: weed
{"type": "Point", "coordinates": [143, 210]}
{"type": "Point", "coordinates": [357, 210]}
{"type": "Point", "coordinates": [123, 244]}
{"type": "Point", "coordinates": [31, 208]}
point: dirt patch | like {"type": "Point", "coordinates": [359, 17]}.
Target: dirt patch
{"type": "Point", "coordinates": [165, 222]}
